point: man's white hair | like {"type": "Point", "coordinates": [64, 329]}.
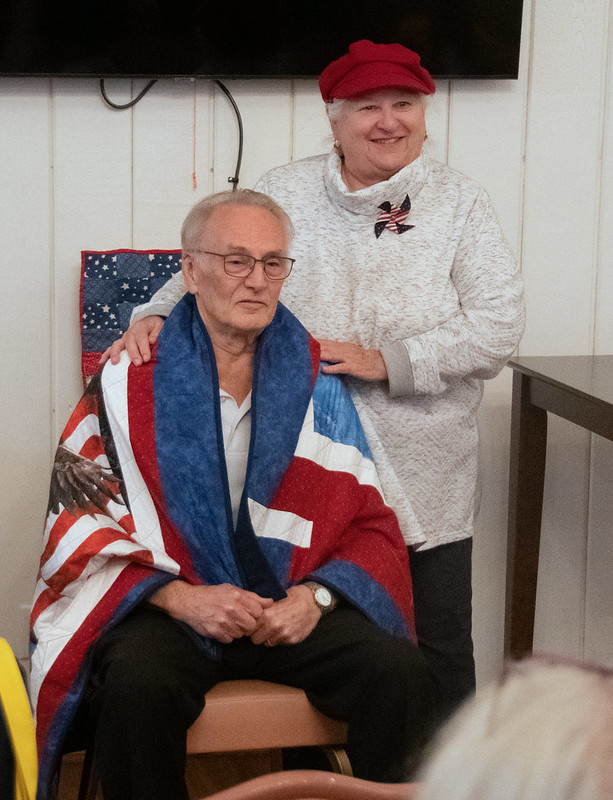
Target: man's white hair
{"type": "Point", "coordinates": [199, 213]}
{"type": "Point", "coordinates": [544, 732]}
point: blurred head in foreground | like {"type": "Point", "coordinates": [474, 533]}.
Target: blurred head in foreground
{"type": "Point", "coordinates": [543, 732]}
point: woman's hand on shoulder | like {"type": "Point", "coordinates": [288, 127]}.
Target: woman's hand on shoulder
{"type": "Point", "coordinates": [348, 358]}
{"type": "Point", "coordinates": [137, 340]}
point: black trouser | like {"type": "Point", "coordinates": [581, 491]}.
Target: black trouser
{"type": "Point", "coordinates": [149, 676]}
{"type": "Point", "coordinates": [442, 593]}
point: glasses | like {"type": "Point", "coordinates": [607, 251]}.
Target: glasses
{"type": "Point", "coordinates": [239, 265]}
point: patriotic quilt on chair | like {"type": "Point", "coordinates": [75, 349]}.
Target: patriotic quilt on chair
{"type": "Point", "coordinates": [139, 497]}
{"type": "Point", "coordinates": [112, 283]}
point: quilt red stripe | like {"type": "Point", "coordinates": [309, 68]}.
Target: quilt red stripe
{"type": "Point", "coordinates": [336, 502]}
{"type": "Point", "coordinates": [87, 405]}
{"type": "Point", "coordinates": [65, 522]}
{"type": "Point", "coordinates": [141, 417]}
{"type": "Point", "coordinates": [94, 544]}
{"type": "Point", "coordinates": [92, 448]}
{"type": "Point", "coordinates": [315, 351]}
{"type": "Point", "coordinates": [64, 669]}
{"type": "Point", "coordinates": [64, 576]}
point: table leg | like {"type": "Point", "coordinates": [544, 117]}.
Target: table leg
{"type": "Point", "coordinates": [526, 481]}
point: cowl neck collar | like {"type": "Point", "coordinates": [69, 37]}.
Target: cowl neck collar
{"type": "Point", "coordinates": [408, 180]}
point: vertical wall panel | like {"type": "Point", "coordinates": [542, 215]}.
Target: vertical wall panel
{"type": "Point", "coordinates": [92, 204]}
{"type": "Point", "coordinates": [163, 159]}
{"type": "Point", "coordinates": [560, 617]}
{"type": "Point", "coordinates": [599, 557]}
{"type": "Point", "coordinates": [559, 257]}
{"type": "Point", "coordinates": [487, 125]}
{"type": "Point", "coordinates": [562, 175]}
{"type": "Point", "coordinates": [599, 589]}
{"type": "Point", "coordinates": [266, 110]}
{"type": "Point", "coordinates": [604, 298]}
{"type": "Point", "coordinates": [25, 344]}
{"type": "Point", "coordinates": [311, 132]}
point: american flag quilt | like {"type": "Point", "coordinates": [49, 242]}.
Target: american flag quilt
{"type": "Point", "coordinates": [112, 283]}
{"type": "Point", "coordinates": [139, 496]}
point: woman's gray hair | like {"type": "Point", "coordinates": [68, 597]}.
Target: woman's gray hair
{"type": "Point", "coordinates": [338, 105]}
{"type": "Point", "coordinates": [191, 230]}
{"type": "Point", "coordinates": [335, 109]}
{"type": "Point", "coordinates": [543, 731]}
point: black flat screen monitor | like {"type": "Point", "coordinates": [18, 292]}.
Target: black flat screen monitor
{"type": "Point", "coordinates": [255, 39]}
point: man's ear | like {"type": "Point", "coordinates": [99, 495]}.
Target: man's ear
{"type": "Point", "coordinates": [188, 266]}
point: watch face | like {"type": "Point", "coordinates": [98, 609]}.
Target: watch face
{"type": "Point", "coordinates": [323, 597]}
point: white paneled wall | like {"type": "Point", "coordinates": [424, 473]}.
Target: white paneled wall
{"type": "Point", "coordinates": [78, 175]}
{"type": "Point", "coordinates": [566, 267]}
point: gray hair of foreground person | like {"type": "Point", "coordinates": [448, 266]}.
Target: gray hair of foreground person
{"type": "Point", "coordinates": [543, 732]}
{"type": "Point", "coordinates": [199, 213]}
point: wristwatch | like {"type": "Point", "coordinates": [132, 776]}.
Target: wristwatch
{"type": "Point", "coordinates": [324, 599]}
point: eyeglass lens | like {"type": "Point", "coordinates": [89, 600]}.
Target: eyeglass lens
{"type": "Point", "coordinates": [275, 267]}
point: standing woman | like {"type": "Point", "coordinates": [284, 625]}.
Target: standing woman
{"type": "Point", "coordinates": [404, 276]}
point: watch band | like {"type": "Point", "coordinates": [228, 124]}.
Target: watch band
{"type": "Point", "coordinates": [324, 599]}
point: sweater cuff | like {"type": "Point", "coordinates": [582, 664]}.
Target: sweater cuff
{"type": "Point", "coordinates": [149, 310]}
{"type": "Point", "coordinates": [399, 369]}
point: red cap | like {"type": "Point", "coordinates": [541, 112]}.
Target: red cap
{"type": "Point", "coordinates": [368, 67]}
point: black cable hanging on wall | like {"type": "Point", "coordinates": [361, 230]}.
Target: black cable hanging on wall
{"type": "Point", "coordinates": [120, 107]}
{"type": "Point", "coordinates": [138, 97]}
{"type": "Point", "coordinates": [239, 158]}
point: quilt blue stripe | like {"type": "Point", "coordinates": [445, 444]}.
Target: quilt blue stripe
{"type": "Point", "coordinates": [189, 444]}
{"type": "Point", "coordinates": [358, 587]}
{"type": "Point", "coordinates": [336, 416]}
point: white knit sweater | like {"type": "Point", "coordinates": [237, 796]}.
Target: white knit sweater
{"type": "Point", "coordinates": [442, 301]}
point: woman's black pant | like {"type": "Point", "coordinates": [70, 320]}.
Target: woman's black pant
{"type": "Point", "coordinates": [150, 674]}
{"type": "Point", "coordinates": [442, 593]}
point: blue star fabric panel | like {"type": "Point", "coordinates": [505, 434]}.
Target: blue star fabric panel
{"type": "Point", "coordinates": [112, 283]}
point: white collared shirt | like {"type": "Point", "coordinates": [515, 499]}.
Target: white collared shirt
{"type": "Point", "coordinates": [236, 427]}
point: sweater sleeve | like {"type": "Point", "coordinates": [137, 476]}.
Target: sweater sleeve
{"type": "Point", "coordinates": [476, 341]}
{"type": "Point", "coordinates": [163, 301]}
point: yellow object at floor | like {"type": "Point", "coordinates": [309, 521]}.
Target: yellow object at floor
{"type": "Point", "coordinates": [18, 718]}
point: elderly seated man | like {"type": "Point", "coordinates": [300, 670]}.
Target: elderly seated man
{"type": "Point", "coordinates": [216, 514]}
